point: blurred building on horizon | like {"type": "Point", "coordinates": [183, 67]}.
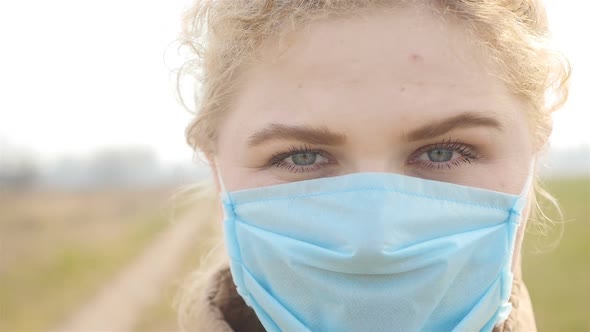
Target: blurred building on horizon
{"type": "Point", "coordinates": [105, 168]}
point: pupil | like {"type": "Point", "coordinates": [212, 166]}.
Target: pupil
{"type": "Point", "coordinates": [440, 155]}
{"type": "Point", "coordinates": [304, 159]}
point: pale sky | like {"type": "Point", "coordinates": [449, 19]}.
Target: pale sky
{"type": "Point", "coordinates": [77, 75]}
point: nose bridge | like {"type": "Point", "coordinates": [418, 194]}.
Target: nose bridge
{"type": "Point", "coordinates": [377, 162]}
{"type": "Point", "coordinates": [373, 149]}
{"type": "Point", "coordinates": [372, 166]}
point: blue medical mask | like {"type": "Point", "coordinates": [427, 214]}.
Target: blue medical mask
{"type": "Point", "coordinates": [373, 252]}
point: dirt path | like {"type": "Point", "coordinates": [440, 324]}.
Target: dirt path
{"type": "Point", "coordinates": [117, 307]}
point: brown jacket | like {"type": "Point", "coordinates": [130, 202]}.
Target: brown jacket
{"type": "Point", "coordinates": [221, 309]}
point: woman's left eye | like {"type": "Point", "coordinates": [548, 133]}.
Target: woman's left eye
{"type": "Point", "coordinates": [444, 155]}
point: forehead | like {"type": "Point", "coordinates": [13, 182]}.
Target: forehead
{"type": "Point", "coordinates": [377, 43]}
{"type": "Point", "coordinates": [407, 64]}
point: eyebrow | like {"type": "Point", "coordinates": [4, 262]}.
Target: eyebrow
{"type": "Point", "coordinates": [464, 120]}
{"type": "Point", "coordinates": [323, 136]}
{"type": "Point", "coordinates": [305, 134]}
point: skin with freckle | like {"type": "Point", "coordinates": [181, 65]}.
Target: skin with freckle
{"type": "Point", "coordinates": [416, 58]}
{"type": "Point", "coordinates": [368, 80]}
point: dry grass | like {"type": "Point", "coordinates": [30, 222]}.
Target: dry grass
{"type": "Point", "coordinates": [57, 248]}
{"type": "Point", "coordinates": [34, 224]}
{"type": "Point", "coordinates": [559, 279]}
{"type": "Point", "coordinates": [162, 316]}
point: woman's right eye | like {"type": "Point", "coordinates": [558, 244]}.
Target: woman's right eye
{"type": "Point", "coordinates": [300, 160]}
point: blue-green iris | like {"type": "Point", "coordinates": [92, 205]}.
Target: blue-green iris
{"type": "Point", "coordinates": [304, 159]}
{"type": "Point", "coordinates": [440, 155]}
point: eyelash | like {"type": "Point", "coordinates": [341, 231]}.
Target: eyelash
{"type": "Point", "coordinates": [278, 159]}
{"type": "Point", "coordinates": [467, 152]}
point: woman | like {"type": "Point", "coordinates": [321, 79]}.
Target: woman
{"type": "Point", "coordinates": [375, 160]}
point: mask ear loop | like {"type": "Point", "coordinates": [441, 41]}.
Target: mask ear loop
{"type": "Point", "coordinates": [219, 177]}
{"type": "Point", "coordinates": [224, 195]}
{"type": "Point", "coordinates": [522, 197]}
{"type": "Point", "coordinates": [515, 223]}
{"type": "Point", "coordinates": [517, 211]}
{"type": "Point", "coordinates": [231, 240]}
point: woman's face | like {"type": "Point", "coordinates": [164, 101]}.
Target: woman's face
{"type": "Point", "coordinates": [398, 92]}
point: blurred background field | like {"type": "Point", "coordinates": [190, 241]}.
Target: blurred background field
{"type": "Point", "coordinates": [57, 248]}
{"type": "Point", "coordinates": [557, 274]}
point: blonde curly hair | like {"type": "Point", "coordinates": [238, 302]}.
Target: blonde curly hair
{"type": "Point", "coordinates": [224, 36]}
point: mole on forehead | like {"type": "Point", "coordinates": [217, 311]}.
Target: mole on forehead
{"type": "Point", "coordinates": [416, 58]}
